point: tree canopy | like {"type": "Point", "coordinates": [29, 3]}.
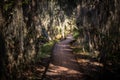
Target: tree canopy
{"type": "Point", "coordinates": [29, 28]}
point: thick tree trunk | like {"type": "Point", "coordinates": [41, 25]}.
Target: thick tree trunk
{"type": "Point", "coordinates": [99, 22]}
{"type": "Point", "coordinates": [27, 23]}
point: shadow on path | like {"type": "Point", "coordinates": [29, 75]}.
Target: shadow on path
{"type": "Point", "coordinates": [64, 66]}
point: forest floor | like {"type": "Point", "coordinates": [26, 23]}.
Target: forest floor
{"type": "Point", "coordinates": [67, 66]}
{"type": "Point", "coordinates": [64, 64]}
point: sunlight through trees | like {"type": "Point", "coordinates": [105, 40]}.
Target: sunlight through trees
{"type": "Point", "coordinates": [26, 26]}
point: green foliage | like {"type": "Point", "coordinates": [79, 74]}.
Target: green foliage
{"type": "Point", "coordinates": [45, 50]}
{"type": "Point", "coordinates": [8, 6]}
{"type": "Point", "coordinates": [76, 33]}
{"type": "Point", "coordinates": [25, 1]}
{"type": "Point", "coordinates": [77, 50]}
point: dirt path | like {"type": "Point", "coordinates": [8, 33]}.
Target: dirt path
{"type": "Point", "coordinates": [64, 65]}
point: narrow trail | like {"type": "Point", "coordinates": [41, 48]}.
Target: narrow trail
{"type": "Point", "coordinates": [64, 65]}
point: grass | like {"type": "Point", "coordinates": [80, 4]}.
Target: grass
{"type": "Point", "coordinates": [46, 49]}
{"type": "Point", "coordinates": [75, 34]}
